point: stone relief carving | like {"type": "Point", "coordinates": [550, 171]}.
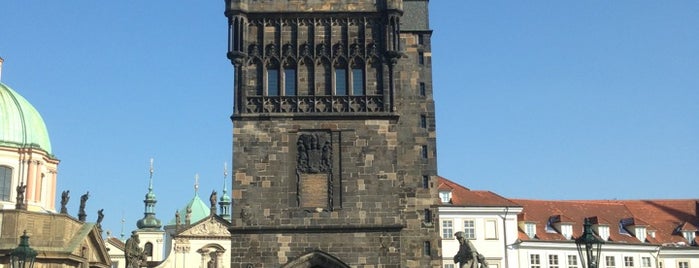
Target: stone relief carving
{"type": "Point", "coordinates": [314, 153]}
{"type": "Point", "coordinates": [208, 228]}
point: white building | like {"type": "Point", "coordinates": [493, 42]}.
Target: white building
{"type": "Point", "coordinates": [517, 233]}
{"type": "Point", "coordinates": [489, 220]}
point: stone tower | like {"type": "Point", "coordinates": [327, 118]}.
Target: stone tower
{"type": "Point", "coordinates": [333, 134]}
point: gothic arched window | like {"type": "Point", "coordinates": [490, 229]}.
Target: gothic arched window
{"type": "Point", "coordinates": [272, 76]}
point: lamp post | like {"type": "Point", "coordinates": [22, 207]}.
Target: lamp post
{"type": "Point", "coordinates": [589, 246]}
{"type": "Point", "coordinates": [23, 256]}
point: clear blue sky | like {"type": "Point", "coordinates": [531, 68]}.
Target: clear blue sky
{"type": "Point", "coordinates": [535, 99]}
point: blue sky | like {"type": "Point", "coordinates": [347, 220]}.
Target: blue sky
{"type": "Point", "coordinates": [535, 99]}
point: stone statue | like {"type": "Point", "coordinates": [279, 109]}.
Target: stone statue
{"type": "Point", "coordinates": [212, 199]}
{"type": "Point", "coordinates": [20, 196]}
{"type": "Point", "coordinates": [65, 197]}
{"type": "Point", "coordinates": [468, 256]}
{"type": "Point", "coordinates": [100, 217]}
{"type": "Point", "coordinates": [83, 199]}
{"type": "Point", "coordinates": [133, 253]}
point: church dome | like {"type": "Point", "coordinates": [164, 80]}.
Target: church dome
{"type": "Point", "coordinates": [21, 125]}
{"type": "Point", "coordinates": [198, 208]}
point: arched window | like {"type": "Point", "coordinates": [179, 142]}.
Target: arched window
{"type": "Point", "coordinates": [358, 78]}
{"type": "Point", "coordinates": [148, 249]}
{"type": "Point", "coordinates": [341, 78]}
{"type": "Point", "coordinates": [272, 74]}
{"type": "Point", "coordinates": [290, 78]}
{"type": "Point", "coordinates": [5, 183]}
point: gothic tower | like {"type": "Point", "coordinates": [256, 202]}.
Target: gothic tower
{"type": "Point", "coordinates": [333, 134]}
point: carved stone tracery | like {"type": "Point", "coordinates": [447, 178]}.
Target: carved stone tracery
{"type": "Point", "coordinates": [357, 45]}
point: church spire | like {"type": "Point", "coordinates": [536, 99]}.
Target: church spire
{"type": "Point", "coordinates": [149, 220]}
{"type": "Point", "coordinates": [225, 201]}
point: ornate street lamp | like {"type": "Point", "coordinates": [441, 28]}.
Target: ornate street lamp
{"type": "Point", "coordinates": [589, 246]}
{"type": "Point", "coordinates": [23, 256]}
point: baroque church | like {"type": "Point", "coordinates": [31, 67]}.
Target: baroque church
{"type": "Point", "coordinates": [28, 179]}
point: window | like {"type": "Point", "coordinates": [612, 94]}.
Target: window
{"type": "Point", "coordinates": [603, 232]}
{"type": "Point", "coordinates": [534, 261]}
{"type": "Point", "coordinates": [423, 152]}
{"type": "Point", "coordinates": [683, 264]}
{"type": "Point", "coordinates": [289, 82]}
{"type": "Point", "coordinates": [645, 262]}
{"type": "Point", "coordinates": [421, 58]}
{"type": "Point", "coordinates": [447, 229]}
{"type": "Point", "coordinates": [689, 235]}
{"type": "Point", "coordinates": [357, 82]}
{"type": "Point", "coordinates": [340, 82]}
{"type": "Point", "coordinates": [427, 248]}
{"type": "Point", "coordinates": [572, 261]}
{"type": "Point", "coordinates": [553, 261]}
{"type": "Point", "coordinates": [272, 82]}
{"type": "Point", "coordinates": [148, 249]}
{"type": "Point", "coordinates": [420, 39]}
{"type": "Point", "coordinates": [530, 229]}
{"type": "Point", "coordinates": [567, 231]}
{"type": "Point", "coordinates": [425, 182]}
{"type": "Point", "coordinates": [423, 90]}
{"type": "Point", "coordinates": [5, 183]}
{"type": "Point", "coordinates": [423, 121]}
{"type": "Point", "coordinates": [609, 261]}
{"type": "Point", "coordinates": [428, 216]}
{"type": "Point", "coordinates": [445, 196]}
{"type": "Point", "coordinates": [470, 229]}
{"type": "Point", "coordinates": [628, 261]}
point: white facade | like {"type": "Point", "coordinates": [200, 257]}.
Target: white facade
{"type": "Point", "coordinates": [493, 231]}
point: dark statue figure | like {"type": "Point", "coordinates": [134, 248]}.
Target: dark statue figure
{"type": "Point", "coordinates": [468, 256]}
{"type": "Point", "coordinates": [83, 199]}
{"type": "Point", "coordinates": [212, 199]}
{"type": "Point", "coordinates": [100, 217]}
{"type": "Point", "coordinates": [132, 252]}
{"type": "Point", "coordinates": [20, 196]}
{"type": "Point", "coordinates": [65, 197]}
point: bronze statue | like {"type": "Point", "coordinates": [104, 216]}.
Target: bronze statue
{"type": "Point", "coordinates": [133, 253]}
{"type": "Point", "coordinates": [65, 197]}
{"type": "Point", "coordinates": [468, 256]}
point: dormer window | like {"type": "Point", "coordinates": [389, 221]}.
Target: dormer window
{"type": "Point", "coordinates": [603, 232]}
{"type": "Point", "coordinates": [689, 235]}
{"type": "Point", "coordinates": [445, 196]}
{"type": "Point", "coordinates": [651, 233]}
{"type": "Point", "coordinates": [567, 230]}
{"type": "Point", "coordinates": [641, 234]}
{"type": "Point", "coordinates": [530, 229]}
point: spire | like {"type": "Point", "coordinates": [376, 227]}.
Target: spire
{"type": "Point", "coordinates": [123, 220]}
{"type": "Point", "coordinates": [196, 183]}
{"type": "Point", "coordinates": [225, 201]}
{"type": "Point", "coordinates": [149, 220]}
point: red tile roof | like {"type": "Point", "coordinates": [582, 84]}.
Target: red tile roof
{"type": "Point", "coordinates": [668, 218]}
{"type": "Point", "coordinates": [462, 196]}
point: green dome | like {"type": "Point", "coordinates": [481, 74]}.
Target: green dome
{"type": "Point", "coordinates": [199, 210]}
{"type": "Point", "coordinates": [21, 126]}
